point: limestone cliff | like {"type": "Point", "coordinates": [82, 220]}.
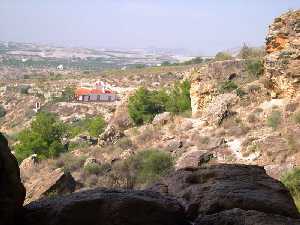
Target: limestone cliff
{"type": "Point", "coordinates": [205, 81]}
{"type": "Point", "coordinates": [282, 62]}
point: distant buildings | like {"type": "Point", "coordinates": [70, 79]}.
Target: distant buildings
{"type": "Point", "coordinates": [60, 67]}
{"type": "Point", "coordinates": [99, 92]}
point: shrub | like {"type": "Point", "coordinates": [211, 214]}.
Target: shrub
{"type": "Point", "coordinates": [291, 180]}
{"type": "Point", "coordinates": [274, 119]}
{"type": "Point", "coordinates": [255, 67]}
{"type": "Point", "coordinates": [24, 89]}
{"type": "Point", "coordinates": [148, 166]}
{"type": "Point", "coordinates": [297, 117]}
{"type": "Point", "coordinates": [251, 53]}
{"type": "Point", "coordinates": [70, 162]}
{"type": "Point", "coordinates": [96, 126]}
{"type": "Point", "coordinates": [221, 56]}
{"type": "Point", "coordinates": [2, 111]}
{"type": "Point", "coordinates": [227, 86]}
{"type": "Point", "coordinates": [97, 169]}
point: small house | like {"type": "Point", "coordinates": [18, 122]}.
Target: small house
{"type": "Point", "coordinates": [100, 93]}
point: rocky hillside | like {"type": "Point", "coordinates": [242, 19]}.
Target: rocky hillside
{"type": "Point", "coordinates": [221, 163]}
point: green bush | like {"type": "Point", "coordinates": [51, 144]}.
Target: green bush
{"type": "Point", "coordinates": [251, 53]}
{"type": "Point", "coordinates": [145, 104]}
{"type": "Point", "coordinates": [97, 169]}
{"type": "Point", "coordinates": [255, 67]}
{"type": "Point", "coordinates": [148, 166]}
{"type": "Point", "coordinates": [44, 137]}
{"type": "Point", "coordinates": [2, 111]}
{"type": "Point", "coordinates": [94, 126]}
{"type": "Point", "coordinates": [291, 180]}
{"type": "Point", "coordinates": [222, 56]}
{"type": "Point", "coordinates": [227, 86]}
{"type": "Point", "coordinates": [274, 119]}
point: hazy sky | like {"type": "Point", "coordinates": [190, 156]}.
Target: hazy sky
{"type": "Point", "coordinates": [204, 26]}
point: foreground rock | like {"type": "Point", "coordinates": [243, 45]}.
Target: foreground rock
{"type": "Point", "coordinates": [48, 184]}
{"type": "Point", "coordinates": [107, 207]}
{"type": "Point", "coordinates": [12, 192]}
{"type": "Point", "coordinates": [215, 188]}
{"type": "Point", "coordinates": [242, 217]}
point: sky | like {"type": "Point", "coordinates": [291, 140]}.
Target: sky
{"type": "Point", "coordinates": [201, 27]}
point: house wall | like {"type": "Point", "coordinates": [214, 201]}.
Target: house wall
{"type": "Point", "coordinates": [98, 98]}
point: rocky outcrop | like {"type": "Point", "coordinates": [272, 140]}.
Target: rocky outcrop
{"type": "Point", "coordinates": [48, 184]}
{"type": "Point", "coordinates": [220, 108]}
{"type": "Point", "coordinates": [282, 62]}
{"type": "Point", "coordinates": [28, 167]}
{"type": "Point", "coordinates": [107, 207]}
{"type": "Point", "coordinates": [193, 159]}
{"type": "Point", "coordinates": [110, 136]}
{"type": "Point", "coordinates": [215, 188]}
{"type": "Point", "coordinates": [242, 217]}
{"type": "Point", "coordinates": [205, 81]}
{"type": "Point", "coordinates": [12, 192]}
{"type": "Point", "coordinates": [162, 119]}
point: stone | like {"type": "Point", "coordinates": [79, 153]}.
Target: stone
{"type": "Point", "coordinates": [220, 108]}
{"type": "Point", "coordinates": [214, 188]}
{"type": "Point", "coordinates": [162, 118]}
{"type": "Point", "coordinates": [242, 217]}
{"type": "Point", "coordinates": [12, 191]}
{"type": "Point", "coordinates": [90, 161]}
{"type": "Point", "coordinates": [49, 183]}
{"type": "Point", "coordinates": [107, 207]}
{"type": "Point", "coordinates": [193, 159]}
{"type": "Point", "coordinates": [28, 166]}
{"type": "Point", "coordinates": [282, 62]}
{"type": "Point", "coordinates": [110, 136]}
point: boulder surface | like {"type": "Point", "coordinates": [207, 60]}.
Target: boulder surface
{"type": "Point", "coordinates": [215, 188]}
{"type": "Point", "coordinates": [12, 191]}
{"type": "Point", "coordinates": [107, 207]}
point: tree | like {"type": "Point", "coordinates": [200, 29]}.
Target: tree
{"type": "Point", "coordinates": [179, 98]}
{"type": "Point", "coordinates": [68, 94]}
{"type": "Point", "coordinates": [145, 104]}
{"type": "Point", "coordinates": [44, 137]}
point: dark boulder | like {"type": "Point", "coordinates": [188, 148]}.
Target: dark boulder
{"type": "Point", "coordinates": [242, 217]}
{"type": "Point", "coordinates": [106, 207]}
{"type": "Point", "coordinates": [12, 192]}
{"type": "Point", "coordinates": [215, 188]}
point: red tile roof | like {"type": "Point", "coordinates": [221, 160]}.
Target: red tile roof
{"type": "Point", "coordinates": [86, 91]}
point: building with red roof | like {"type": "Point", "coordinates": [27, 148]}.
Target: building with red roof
{"type": "Point", "coordinates": [97, 94]}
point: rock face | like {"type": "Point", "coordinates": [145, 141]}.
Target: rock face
{"type": "Point", "coordinates": [205, 81]}
{"type": "Point", "coordinates": [49, 184]}
{"type": "Point", "coordinates": [216, 188]}
{"type": "Point", "coordinates": [12, 192]}
{"type": "Point", "coordinates": [282, 62]}
{"type": "Point", "coordinates": [107, 207]}
{"type": "Point", "coordinates": [242, 217]}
